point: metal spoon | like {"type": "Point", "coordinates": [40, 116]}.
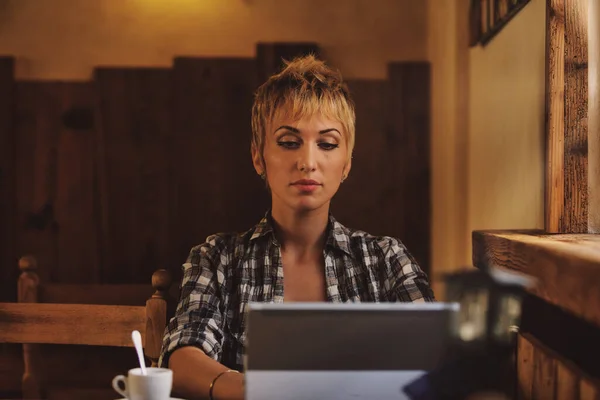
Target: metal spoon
{"type": "Point", "coordinates": [137, 342]}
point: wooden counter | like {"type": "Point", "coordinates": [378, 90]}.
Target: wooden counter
{"type": "Point", "coordinates": [558, 351]}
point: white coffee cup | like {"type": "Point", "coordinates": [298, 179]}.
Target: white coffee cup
{"type": "Point", "coordinates": [155, 385]}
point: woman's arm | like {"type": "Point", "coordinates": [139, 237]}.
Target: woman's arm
{"type": "Point", "coordinates": [406, 281]}
{"type": "Point", "coordinates": [194, 371]}
{"type": "Point", "coordinates": [194, 337]}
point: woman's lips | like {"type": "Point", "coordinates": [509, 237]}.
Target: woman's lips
{"type": "Point", "coordinates": [306, 185]}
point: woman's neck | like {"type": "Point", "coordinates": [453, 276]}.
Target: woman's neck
{"type": "Point", "coordinates": [301, 233]}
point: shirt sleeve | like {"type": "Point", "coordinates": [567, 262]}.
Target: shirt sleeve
{"type": "Point", "coordinates": [199, 318]}
{"type": "Point", "coordinates": [405, 280]}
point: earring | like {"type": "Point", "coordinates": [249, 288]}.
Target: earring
{"type": "Point", "coordinates": [343, 178]}
{"type": "Point", "coordinates": [262, 175]}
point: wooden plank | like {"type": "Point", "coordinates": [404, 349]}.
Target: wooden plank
{"type": "Point", "coordinates": [8, 273]}
{"type": "Point", "coordinates": [56, 179]}
{"type": "Point", "coordinates": [37, 130]}
{"type": "Point", "coordinates": [544, 375]}
{"type": "Point", "coordinates": [94, 325]}
{"type": "Point", "coordinates": [134, 135]}
{"type": "Point", "coordinates": [409, 122]}
{"type": "Point", "coordinates": [574, 346]}
{"type": "Point", "coordinates": [557, 377]}
{"type": "Point", "coordinates": [594, 117]}
{"type": "Point", "coordinates": [567, 383]}
{"type": "Point", "coordinates": [589, 390]}
{"type": "Point", "coordinates": [575, 215]}
{"type": "Point", "coordinates": [566, 267]}
{"type": "Point", "coordinates": [75, 200]}
{"type": "Point", "coordinates": [270, 57]}
{"type": "Point", "coordinates": [105, 294]}
{"type": "Point", "coordinates": [214, 185]}
{"type": "Point", "coordinates": [567, 112]}
{"type": "Point", "coordinates": [555, 111]}
{"type": "Point", "coordinates": [525, 368]}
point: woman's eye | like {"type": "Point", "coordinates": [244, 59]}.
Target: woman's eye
{"type": "Point", "coordinates": [328, 146]}
{"type": "Point", "coordinates": [288, 144]}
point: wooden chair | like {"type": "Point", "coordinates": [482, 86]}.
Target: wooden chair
{"type": "Point", "coordinates": [94, 316]}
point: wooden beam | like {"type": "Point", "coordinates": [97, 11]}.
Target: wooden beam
{"type": "Point", "coordinates": [594, 117]}
{"type": "Point", "coordinates": [555, 104]}
{"type": "Point", "coordinates": [566, 267]}
{"type": "Point", "coordinates": [566, 109]}
{"type": "Point", "coordinates": [74, 324]}
{"type": "Point", "coordinates": [576, 108]}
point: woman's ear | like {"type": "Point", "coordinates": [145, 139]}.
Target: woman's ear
{"type": "Point", "coordinates": [347, 168]}
{"type": "Point", "coordinates": [257, 161]}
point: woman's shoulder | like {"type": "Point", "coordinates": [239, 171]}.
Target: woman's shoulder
{"type": "Point", "coordinates": [380, 252]}
{"type": "Point", "coordinates": [220, 247]}
{"type": "Point", "coordinates": [358, 240]}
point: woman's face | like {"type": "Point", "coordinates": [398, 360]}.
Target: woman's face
{"type": "Point", "coordinates": [304, 161]}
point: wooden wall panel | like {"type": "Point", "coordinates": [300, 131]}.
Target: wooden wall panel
{"type": "Point", "coordinates": [544, 376]}
{"type": "Point", "coordinates": [525, 367]}
{"type": "Point", "coordinates": [36, 130]}
{"type": "Point", "coordinates": [215, 186]}
{"type": "Point", "coordinates": [8, 258]}
{"type": "Point", "coordinates": [409, 122]}
{"type": "Point", "coordinates": [134, 143]}
{"type": "Point", "coordinates": [368, 199]}
{"type": "Point", "coordinates": [55, 179]}
{"type": "Point", "coordinates": [567, 383]}
{"type": "Point", "coordinates": [387, 192]}
{"type": "Point", "coordinates": [75, 198]}
{"type": "Point", "coordinates": [589, 390]}
{"type": "Point", "coordinates": [556, 363]}
{"type": "Point", "coordinates": [270, 56]}
{"type": "Point", "coordinates": [164, 160]}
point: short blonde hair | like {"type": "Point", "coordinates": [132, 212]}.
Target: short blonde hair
{"type": "Point", "coordinates": [306, 86]}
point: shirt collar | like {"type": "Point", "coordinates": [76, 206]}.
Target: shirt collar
{"type": "Point", "coordinates": [263, 228]}
{"type": "Point", "coordinates": [338, 236]}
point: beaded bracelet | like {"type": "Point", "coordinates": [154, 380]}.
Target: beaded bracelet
{"type": "Point", "coordinates": [212, 384]}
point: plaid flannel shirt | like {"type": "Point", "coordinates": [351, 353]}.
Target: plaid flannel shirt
{"type": "Point", "coordinates": [224, 274]}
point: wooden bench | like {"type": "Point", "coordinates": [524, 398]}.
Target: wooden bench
{"type": "Point", "coordinates": [95, 321]}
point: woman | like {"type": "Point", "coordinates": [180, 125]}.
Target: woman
{"type": "Point", "coordinates": [303, 136]}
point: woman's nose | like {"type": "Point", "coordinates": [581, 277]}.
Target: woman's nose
{"type": "Point", "coordinates": [307, 161]}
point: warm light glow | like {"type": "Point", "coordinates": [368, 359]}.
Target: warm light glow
{"type": "Point", "coordinates": [66, 39]}
{"type": "Point", "coordinates": [178, 6]}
